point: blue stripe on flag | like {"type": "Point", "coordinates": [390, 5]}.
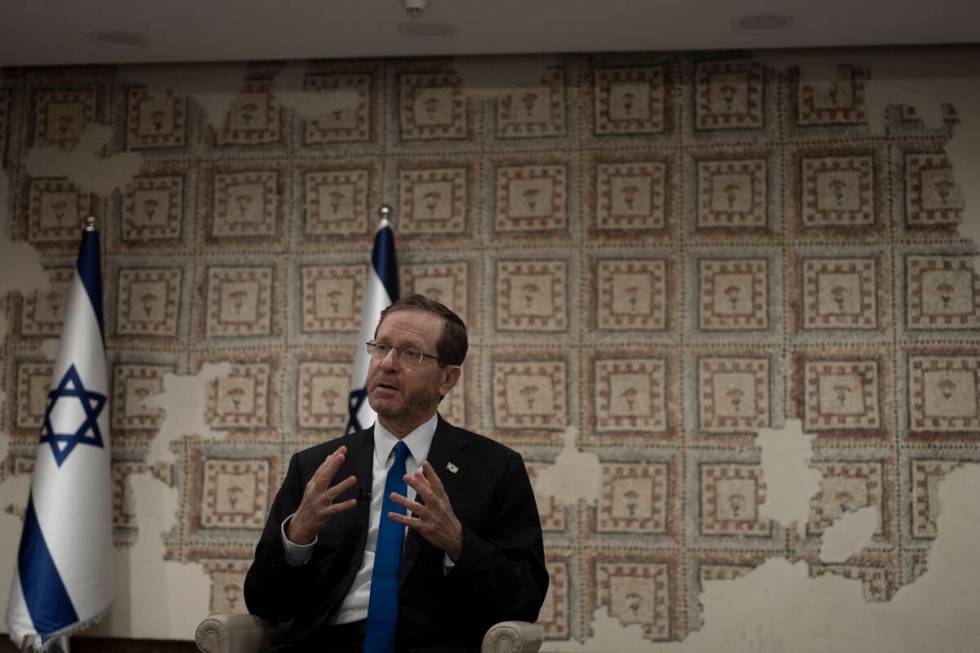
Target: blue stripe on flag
{"type": "Point", "coordinates": [90, 272]}
{"type": "Point", "coordinates": [47, 599]}
{"type": "Point", "coordinates": [383, 259]}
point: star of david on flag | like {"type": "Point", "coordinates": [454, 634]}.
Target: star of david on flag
{"type": "Point", "coordinates": [381, 291]}
{"type": "Point", "coordinates": [63, 580]}
{"type": "Point", "coordinates": [71, 395]}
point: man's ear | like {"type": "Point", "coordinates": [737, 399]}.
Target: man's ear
{"type": "Point", "coordinates": [450, 375]}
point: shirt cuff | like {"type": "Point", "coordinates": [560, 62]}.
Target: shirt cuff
{"type": "Point", "coordinates": [447, 564]}
{"type": "Point", "coordinates": [298, 555]}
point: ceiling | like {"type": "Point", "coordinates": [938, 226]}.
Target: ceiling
{"type": "Point", "coordinates": [44, 32]}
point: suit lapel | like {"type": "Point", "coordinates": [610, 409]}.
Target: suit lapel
{"type": "Point", "coordinates": [360, 463]}
{"type": "Point", "coordinates": [449, 451]}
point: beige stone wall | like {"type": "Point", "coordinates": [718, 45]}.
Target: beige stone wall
{"type": "Point", "coordinates": [724, 304]}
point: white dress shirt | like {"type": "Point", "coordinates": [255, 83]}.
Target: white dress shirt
{"type": "Point", "coordinates": [354, 607]}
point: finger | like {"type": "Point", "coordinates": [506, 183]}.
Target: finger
{"type": "Point", "coordinates": [328, 468]}
{"type": "Point", "coordinates": [412, 522]}
{"type": "Point", "coordinates": [338, 489]}
{"type": "Point", "coordinates": [407, 503]}
{"type": "Point", "coordinates": [420, 484]}
{"type": "Point", "coordinates": [433, 478]}
{"type": "Point", "coordinates": [343, 506]}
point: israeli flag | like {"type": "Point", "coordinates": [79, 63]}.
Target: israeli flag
{"type": "Point", "coordinates": [63, 581]}
{"type": "Point", "coordinates": [381, 291]}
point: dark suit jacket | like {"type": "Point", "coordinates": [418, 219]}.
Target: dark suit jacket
{"type": "Point", "coordinates": [500, 573]}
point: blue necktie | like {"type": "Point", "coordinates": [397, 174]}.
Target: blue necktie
{"type": "Point", "coordinates": [382, 618]}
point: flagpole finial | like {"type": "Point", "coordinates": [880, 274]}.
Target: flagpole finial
{"type": "Point", "coordinates": [90, 224]}
{"type": "Point", "coordinates": [385, 212]}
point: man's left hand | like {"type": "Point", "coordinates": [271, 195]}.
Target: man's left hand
{"type": "Point", "coordinates": [434, 519]}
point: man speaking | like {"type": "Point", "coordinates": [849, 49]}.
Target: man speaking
{"type": "Point", "coordinates": [411, 535]}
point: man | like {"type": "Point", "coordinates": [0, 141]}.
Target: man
{"type": "Point", "coordinates": [353, 559]}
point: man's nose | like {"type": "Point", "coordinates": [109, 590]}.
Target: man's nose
{"type": "Point", "coordinates": [390, 360]}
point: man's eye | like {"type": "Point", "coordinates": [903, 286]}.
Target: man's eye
{"type": "Point", "coordinates": [411, 353]}
{"type": "Point", "coordinates": [382, 349]}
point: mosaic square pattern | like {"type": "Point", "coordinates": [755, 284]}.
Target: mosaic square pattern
{"type": "Point", "coordinates": [132, 386]}
{"type": "Point", "coordinates": [532, 296]}
{"type": "Point", "coordinates": [348, 119]}
{"type": "Point", "coordinates": [846, 487]}
{"type": "Point", "coordinates": [631, 196]}
{"type": "Point", "coordinates": [433, 201]}
{"type": "Point", "coordinates": [123, 502]}
{"type": "Point", "coordinates": [840, 293]}
{"type": "Point", "coordinates": [239, 301]}
{"type": "Point", "coordinates": [154, 121]}
{"type": "Point", "coordinates": [56, 211]}
{"type": "Point", "coordinates": [729, 95]}
{"type": "Point", "coordinates": [149, 302]}
{"type": "Point", "coordinates": [432, 106]}
{"type": "Point", "coordinates": [838, 191]}
{"type": "Point", "coordinates": [636, 593]}
{"type": "Point", "coordinates": [245, 204]}
{"type": "Point", "coordinates": [632, 294]}
{"type": "Point", "coordinates": [153, 209]}
{"type": "Point", "coordinates": [932, 196]}
{"type": "Point", "coordinates": [631, 395]}
{"type": "Point", "coordinates": [227, 583]}
{"type": "Point", "coordinates": [837, 101]}
{"type": "Point", "coordinates": [321, 396]}
{"type": "Point", "coordinates": [253, 118]}
{"type": "Point", "coordinates": [734, 294]}
{"type": "Point", "coordinates": [841, 395]}
{"type": "Point", "coordinates": [555, 614]}
{"type": "Point", "coordinates": [33, 384]}
{"type": "Point", "coordinates": [447, 283]}
{"type": "Point", "coordinates": [943, 394]}
{"type": "Point", "coordinates": [235, 493]}
{"type": "Point", "coordinates": [241, 399]}
{"type": "Point", "coordinates": [44, 310]}
{"type": "Point", "coordinates": [333, 296]}
{"type": "Point", "coordinates": [942, 293]}
{"type": "Point", "coordinates": [550, 509]}
{"type": "Point", "coordinates": [530, 394]}
{"type": "Point", "coordinates": [60, 116]}
{"type": "Point", "coordinates": [731, 495]}
{"type": "Point", "coordinates": [634, 498]}
{"type": "Point", "coordinates": [732, 194]}
{"type": "Point", "coordinates": [926, 476]}
{"type": "Point", "coordinates": [533, 111]}
{"type": "Point", "coordinates": [630, 101]}
{"type": "Point", "coordinates": [531, 198]}
{"type": "Point", "coordinates": [733, 394]}
{"type": "Point", "coordinates": [336, 202]}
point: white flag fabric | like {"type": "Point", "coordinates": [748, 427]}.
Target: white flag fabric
{"type": "Point", "coordinates": [63, 580]}
{"type": "Point", "coordinates": [381, 291]}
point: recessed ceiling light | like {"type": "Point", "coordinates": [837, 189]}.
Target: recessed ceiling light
{"type": "Point", "coordinates": [120, 40]}
{"type": "Point", "coordinates": [761, 23]}
{"type": "Point", "coordinates": [427, 30]}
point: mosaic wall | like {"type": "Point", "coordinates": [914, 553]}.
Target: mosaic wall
{"type": "Point", "coordinates": [657, 256]}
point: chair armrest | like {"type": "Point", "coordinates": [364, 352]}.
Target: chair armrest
{"type": "Point", "coordinates": [513, 637]}
{"type": "Point", "coordinates": [235, 633]}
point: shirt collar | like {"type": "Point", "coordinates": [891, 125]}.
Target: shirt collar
{"type": "Point", "coordinates": [418, 441]}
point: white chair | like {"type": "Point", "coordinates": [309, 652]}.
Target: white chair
{"type": "Point", "coordinates": [245, 633]}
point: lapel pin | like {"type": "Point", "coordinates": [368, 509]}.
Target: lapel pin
{"type": "Point", "coordinates": [452, 468]}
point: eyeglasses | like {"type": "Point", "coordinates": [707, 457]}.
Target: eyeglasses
{"type": "Point", "coordinates": [406, 355]}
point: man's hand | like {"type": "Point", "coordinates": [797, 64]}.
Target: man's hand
{"type": "Point", "coordinates": [317, 506]}
{"type": "Point", "coordinates": [434, 520]}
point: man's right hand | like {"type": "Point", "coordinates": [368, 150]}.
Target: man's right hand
{"type": "Point", "coordinates": [317, 506]}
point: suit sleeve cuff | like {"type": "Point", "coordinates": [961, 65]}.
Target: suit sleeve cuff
{"type": "Point", "coordinates": [297, 555]}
